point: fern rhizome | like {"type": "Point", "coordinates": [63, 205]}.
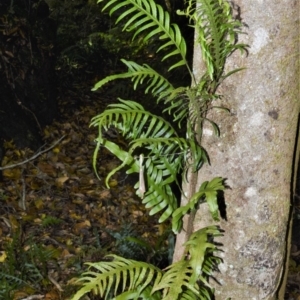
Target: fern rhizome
{"type": "Point", "coordinates": [158, 153]}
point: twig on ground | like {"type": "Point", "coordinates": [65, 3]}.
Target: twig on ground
{"type": "Point", "coordinates": [22, 201]}
{"type": "Point", "coordinates": [55, 283]}
{"type": "Point", "coordinates": [32, 157]}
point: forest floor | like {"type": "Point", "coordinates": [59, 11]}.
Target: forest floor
{"type": "Point", "coordinates": [56, 203]}
{"type": "Point", "coordinates": [56, 214]}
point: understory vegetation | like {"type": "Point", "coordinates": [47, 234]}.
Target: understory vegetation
{"type": "Point", "coordinates": [157, 152]}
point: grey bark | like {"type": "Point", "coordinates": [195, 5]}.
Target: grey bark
{"type": "Point", "coordinates": [255, 152]}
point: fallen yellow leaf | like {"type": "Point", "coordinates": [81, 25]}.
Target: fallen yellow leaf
{"type": "Point", "coordinates": [113, 183]}
{"type": "Point", "coordinates": [39, 203]}
{"type": "Point", "coordinates": [12, 173]}
{"type": "Point", "coordinates": [3, 256]}
{"type": "Point", "coordinates": [61, 180]}
{"type": "Point", "coordinates": [13, 222]}
{"type": "Point", "coordinates": [82, 225]}
{"type": "Point", "coordinates": [56, 150]}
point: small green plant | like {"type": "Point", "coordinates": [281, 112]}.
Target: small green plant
{"type": "Point", "coordinates": [129, 244]}
{"type": "Point", "coordinates": [25, 265]}
{"type": "Point", "coordinates": [157, 151]}
{"type": "Point", "coordinates": [50, 221]}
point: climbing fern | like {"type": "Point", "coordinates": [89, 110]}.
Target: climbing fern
{"type": "Point", "coordinates": [166, 153]}
{"type": "Point", "coordinates": [158, 152]}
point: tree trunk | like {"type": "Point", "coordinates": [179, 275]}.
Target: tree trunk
{"type": "Point", "coordinates": [255, 153]}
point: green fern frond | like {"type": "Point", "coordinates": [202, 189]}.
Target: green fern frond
{"type": "Point", "coordinates": [105, 277]}
{"type": "Point", "coordinates": [156, 83]}
{"type": "Point", "coordinates": [175, 280]}
{"type": "Point", "coordinates": [166, 152]}
{"type": "Point", "coordinates": [145, 294]}
{"type": "Point", "coordinates": [208, 191]}
{"type": "Point", "coordinates": [189, 295]}
{"type": "Point", "coordinates": [217, 32]}
{"type": "Point", "coordinates": [181, 280]}
{"type": "Point", "coordinates": [164, 149]}
{"type": "Point", "coordinates": [149, 17]}
{"type": "Point", "coordinates": [133, 122]}
{"type": "Point", "coordinates": [12, 279]}
{"type": "Point", "coordinates": [198, 247]}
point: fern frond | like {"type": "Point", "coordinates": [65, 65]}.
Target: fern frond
{"type": "Point", "coordinates": [208, 191]}
{"type": "Point", "coordinates": [165, 151]}
{"type": "Point", "coordinates": [131, 119]}
{"type": "Point", "coordinates": [175, 280]}
{"type": "Point", "coordinates": [105, 277]}
{"type": "Point", "coordinates": [156, 83]}
{"type": "Point", "coordinates": [149, 17]}
{"type": "Point", "coordinates": [189, 295]}
{"type": "Point", "coordinates": [217, 32]}
{"type": "Point", "coordinates": [12, 279]}
{"type": "Point", "coordinates": [181, 281]}
{"type": "Point", "coordinates": [198, 247]}
{"type": "Point", "coordinates": [138, 294]}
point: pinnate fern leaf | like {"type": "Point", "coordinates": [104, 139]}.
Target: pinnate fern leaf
{"type": "Point", "coordinates": [156, 83]}
{"type": "Point", "coordinates": [133, 121]}
{"type": "Point", "coordinates": [145, 16]}
{"type": "Point", "coordinates": [128, 279]}
{"type": "Point", "coordinates": [208, 191]}
{"type": "Point", "coordinates": [166, 151]}
{"type": "Point", "coordinates": [175, 280]}
{"type": "Point", "coordinates": [216, 32]}
{"type": "Point", "coordinates": [198, 247]}
{"type": "Point", "coordinates": [104, 277]}
{"type": "Point", "coordinates": [138, 125]}
{"type": "Point", "coordinates": [180, 281]}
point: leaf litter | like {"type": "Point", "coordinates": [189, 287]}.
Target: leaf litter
{"type": "Point", "coordinates": [57, 202]}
